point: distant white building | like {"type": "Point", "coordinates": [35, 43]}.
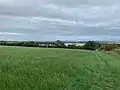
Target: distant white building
{"type": "Point", "coordinates": [77, 44]}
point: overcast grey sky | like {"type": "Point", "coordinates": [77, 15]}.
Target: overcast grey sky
{"type": "Point", "coordinates": [60, 19]}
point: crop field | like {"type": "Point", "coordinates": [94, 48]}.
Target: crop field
{"type": "Point", "coordinates": [58, 69]}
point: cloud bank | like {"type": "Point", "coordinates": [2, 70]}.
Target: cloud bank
{"type": "Point", "coordinates": [60, 19]}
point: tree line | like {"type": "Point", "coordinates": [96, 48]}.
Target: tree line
{"type": "Point", "coordinates": [56, 44]}
{"type": "Point", "coordinates": [90, 45]}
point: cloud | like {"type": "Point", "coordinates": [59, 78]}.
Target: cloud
{"type": "Point", "coordinates": [8, 33]}
{"type": "Point", "coordinates": [60, 19]}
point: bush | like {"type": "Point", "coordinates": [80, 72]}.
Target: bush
{"type": "Point", "coordinates": [59, 44]}
{"type": "Point", "coordinates": [91, 45]}
{"type": "Point", "coordinates": [73, 46]}
{"type": "Point", "coordinates": [117, 51]}
{"type": "Point", "coordinates": [108, 47]}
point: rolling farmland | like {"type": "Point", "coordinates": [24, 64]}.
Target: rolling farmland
{"type": "Point", "coordinates": [58, 69]}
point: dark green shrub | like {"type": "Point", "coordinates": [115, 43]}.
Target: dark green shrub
{"type": "Point", "coordinates": [108, 47]}
{"type": "Point", "coordinates": [91, 45]}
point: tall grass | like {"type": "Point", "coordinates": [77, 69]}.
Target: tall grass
{"type": "Point", "coordinates": [57, 69]}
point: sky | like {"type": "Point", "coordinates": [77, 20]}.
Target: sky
{"type": "Point", "coordinates": [73, 20]}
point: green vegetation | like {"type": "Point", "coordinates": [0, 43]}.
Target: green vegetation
{"type": "Point", "coordinates": [58, 69]}
{"type": "Point", "coordinates": [109, 47]}
{"type": "Point", "coordinates": [55, 44]}
{"type": "Point", "coordinates": [92, 45]}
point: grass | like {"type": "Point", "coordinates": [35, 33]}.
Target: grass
{"type": "Point", "coordinates": [58, 69]}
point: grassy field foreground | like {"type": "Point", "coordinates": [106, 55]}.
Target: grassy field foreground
{"type": "Point", "coordinates": [58, 69]}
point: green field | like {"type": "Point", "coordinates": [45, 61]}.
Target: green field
{"type": "Point", "coordinates": [58, 69]}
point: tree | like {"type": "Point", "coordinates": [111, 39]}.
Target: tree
{"type": "Point", "coordinates": [59, 44]}
{"type": "Point", "coordinates": [91, 45]}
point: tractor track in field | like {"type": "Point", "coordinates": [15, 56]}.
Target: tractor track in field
{"type": "Point", "coordinates": [102, 58]}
